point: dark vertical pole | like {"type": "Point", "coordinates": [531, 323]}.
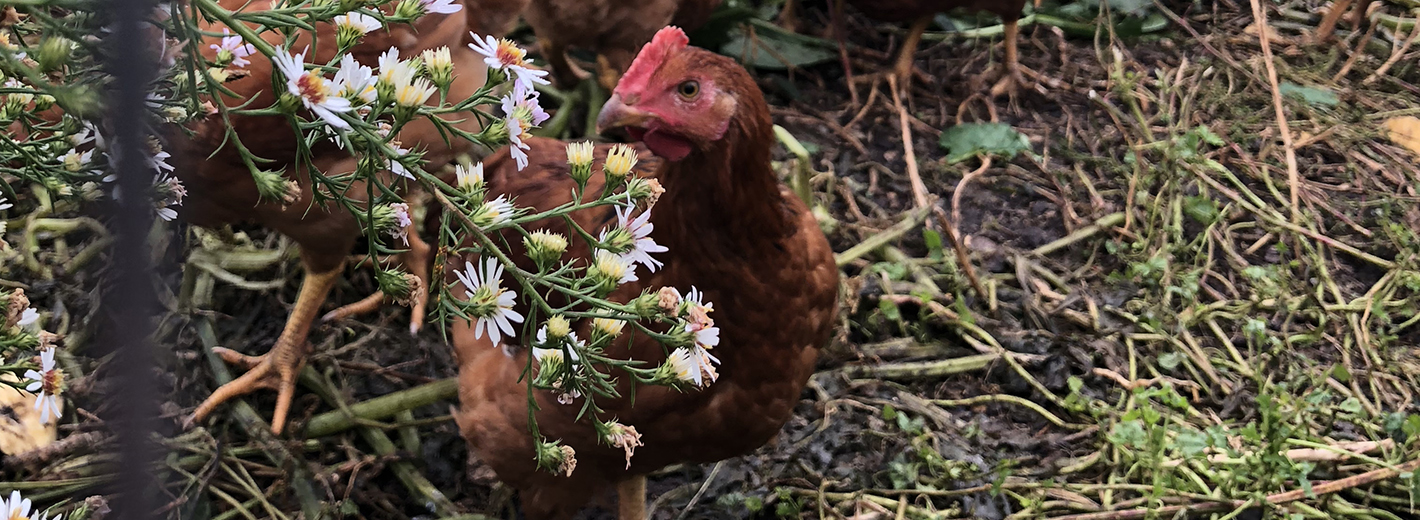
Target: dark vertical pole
{"type": "Point", "coordinates": [130, 300]}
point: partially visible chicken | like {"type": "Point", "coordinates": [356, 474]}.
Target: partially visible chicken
{"type": "Point", "coordinates": [733, 231]}
{"type": "Point", "coordinates": [1327, 27]}
{"type": "Point", "coordinates": [221, 190]}
{"type": "Point", "coordinates": [493, 17]}
{"type": "Point", "coordinates": [615, 29]}
{"type": "Point", "coordinates": [920, 12]}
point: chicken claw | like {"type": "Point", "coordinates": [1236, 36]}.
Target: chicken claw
{"type": "Point", "coordinates": [416, 259]}
{"type": "Point", "coordinates": [1325, 31]}
{"type": "Point", "coordinates": [278, 368]}
{"type": "Point", "coordinates": [1010, 73]}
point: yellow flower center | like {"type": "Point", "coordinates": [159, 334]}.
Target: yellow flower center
{"type": "Point", "coordinates": [312, 87]}
{"type": "Point", "coordinates": [53, 382]}
{"type": "Point", "coordinates": [510, 54]}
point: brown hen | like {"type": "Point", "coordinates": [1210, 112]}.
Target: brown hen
{"type": "Point", "coordinates": [733, 231]}
{"type": "Point", "coordinates": [221, 189]}
{"type": "Point", "coordinates": [615, 29]}
{"type": "Point", "coordinates": [920, 12]}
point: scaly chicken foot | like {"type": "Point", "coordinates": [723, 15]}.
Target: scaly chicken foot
{"type": "Point", "coordinates": [416, 259]}
{"type": "Point", "coordinates": [278, 368]}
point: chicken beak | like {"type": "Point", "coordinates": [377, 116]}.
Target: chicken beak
{"type": "Point", "coordinates": [616, 114]}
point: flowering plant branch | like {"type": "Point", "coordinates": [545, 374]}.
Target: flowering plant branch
{"type": "Point", "coordinates": [49, 55]}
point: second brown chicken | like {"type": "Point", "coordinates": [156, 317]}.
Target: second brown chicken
{"type": "Point", "coordinates": [614, 29]}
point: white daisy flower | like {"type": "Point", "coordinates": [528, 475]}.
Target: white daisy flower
{"type": "Point", "coordinates": [640, 230]}
{"type": "Point", "coordinates": [504, 55]}
{"type": "Point", "coordinates": [76, 162]}
{"type": "Point", "coordinates": [49, 382]}
{"type": "Point", "coordinates": [233, 48]}
{"type": "Point", "coordinates": [706, 336]}
{"type": "Point", "coordinates": [313, 89]}
{"type": "Point", "coordinates": [519, 117]}
{"type": "Point", "coordinates": [494, 212]}
{"type": "Point", "coordinates": [441, 6]}
{"type": "Point", "coordinates": [468, 178]}
{"type": "Point", "coordinates": [354, 81]}
{"type": "Point", "coordinates": [5, 204]}
{"type": "Point", "coordinates": [525, 106]}
{"type": "Point", "coordinates": [356, 22]}
{"type": "Point", "coordinates": [491, 305]}
{"type": "Point", "coordinates": [16, 508]}
{"type": "Point", "coordinates": [693, 365]}
{"type": "Point", "coordinates": [414, 93]}
{"type": "Point", "coordinates": [394, 72]}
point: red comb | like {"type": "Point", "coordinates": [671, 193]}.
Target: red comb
{"type": "Point", "coordinates": [668, 40]}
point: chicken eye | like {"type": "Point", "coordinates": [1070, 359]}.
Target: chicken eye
{"type": "Point", "coordinates": [689, 89]}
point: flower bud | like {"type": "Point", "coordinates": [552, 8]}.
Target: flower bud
{"type": "Point", "coordinates": [579, 157]}
{"type": "Point", "coordinates": [439, 66]}
{"type": "Point", "coordinates": [404, 288]}
{"type": "Point", "coordinates": [288, 103]}
{"type": "Point", "coordinates": [549, 368]}
{"type": "Point", "coordinates": [618, 240]}
{"type": "Point", "coordinates": [275, 187]}
{"type": "Point", "coordinates": [545, 247]}
{"type": "Point", "coordinates": [495, 134]}
{"type": "Point", "coordinates": [609, 271]}
{"type": "Point", "coordinates": [646, 305]}
{"type": "Point", "coordinates": [381, 218]}
{"type": "Point", "coordinates": [409, 9]}
{"type": "Point", "coordinates": [618, 165]}
{"type": "Point", "coordinates": [606, 328]}
{"type": "Point", "coordinates": [558, 327]}
{"type": "Point", "coordinates": [54, 53]}
{"type": "Point", "coordinates": [43, 102]}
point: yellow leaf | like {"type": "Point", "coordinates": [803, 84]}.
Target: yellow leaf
{"type": "Point", "coordinates": [20, 429]}
{"type": "Point", "coordinates": [1405, 131]}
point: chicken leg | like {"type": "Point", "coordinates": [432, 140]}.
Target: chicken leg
{"type": "Point", "coordinates": [903, 68]}
{"type": "Point", "coordinates": [416, 259]}
{"type": "Point", "coordinates": [1326, 29]}
{"type": "Point", "coordinates": [1011, 79]}
{"type": "Point", "coordinates": [631, 498]}
{"type": "Point", "coordinates": [278, 368]}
